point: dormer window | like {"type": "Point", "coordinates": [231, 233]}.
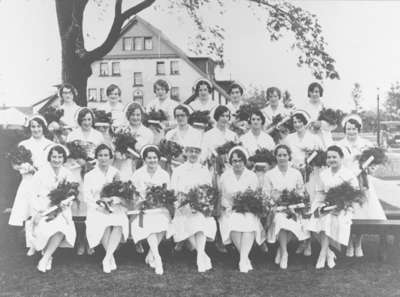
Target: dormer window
{"type": "Point", "coordinates": [138, 43]}
{"type": "Point", "coordinates": [148, 43]}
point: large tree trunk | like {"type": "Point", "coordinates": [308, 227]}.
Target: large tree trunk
{"type": "Point", "coordinates": [76, 60]}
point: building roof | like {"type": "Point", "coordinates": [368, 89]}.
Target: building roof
{"type": "Point", "coordinates": [179, 52]}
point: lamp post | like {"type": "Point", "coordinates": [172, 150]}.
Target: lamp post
{"type": "Point", "coordinates": [378, 134]}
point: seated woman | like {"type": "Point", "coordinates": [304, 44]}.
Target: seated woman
{"type": "Point", "coordinates": [332, 228]}
{"type": "Point", "coordinates": [283, 177]}
{"type": "Point", "coordinates": [189, 225]}
{"type": "Point", "coordinates": [241, 229]}
{"type": "Point", "coordinates": [47, 235]}
{"type": "Point", "coordinates": [353, 145]}
{"type": "Point", "coordinates": [134, 114]}
{"type": "Point", "coordinates": [155, 224]}
{"type": "Point", "coordinates": [104, 227]}
{"type": "Point", "coordinates": [37, 144]}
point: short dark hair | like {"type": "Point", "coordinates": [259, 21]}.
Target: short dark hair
{"type": "Point", "coordinates": [202, 83]}
{"type": "Point", "coordinates": [111, 89]}
{"type": "Point", "coordinates": [220, 110]}
{"type": "Point", "coordinates": [59, 149]}
{"type": "Point", "coordinates": [82, 113]}
{"type": "Point", "coordinates": [354, 122]}
{"type": "Point", "coordinates": [132, 107]}
{"type": "Point", "coordinates": [150, 149]}
{"type": "Point", "coordinates": [273, 90]}
{"type": "Point", "coordinates": [257, 112]}
{"type": "Point", "coordinates": [335, 148]}
{"type": "Point", "coordinates": [314, 85]}
{"type": "Point", "coordinates": [285, 147]}
{"type": "Point", "coordinates": [235, 86]}
{"type": "Point", "coordinates": [300, 117]}
{"type": "Point", "coordinates": [40, 122]}
{"type": "Point", "coordinates": [161, 83]}
{"type": "Point", "coordinates": [69, 87]}
{"type": "Point", "coordinates": [102, 147]}
{"type": "Point", "coordinates": [183, 108]}
{"type": "Point", "coordinates": [241, 155]}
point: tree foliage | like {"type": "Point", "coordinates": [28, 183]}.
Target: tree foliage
{"type": "Point", "coordinates": [392, 102]}
{"type": "Point", "coordinates": [356, 94]}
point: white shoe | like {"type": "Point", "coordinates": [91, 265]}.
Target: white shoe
{"type": "Point", "coordinates": [284, 261]}
{"type": "Point", "coordinates": [350, 250]}
{"type": "Point", "coordinates": [321, 262]}
{"type": "Point", "coordinates": [359, 251]}
{"type": "Point", "coordinates": [207, 262]}
{"type": "Point", "coordinates": [150, 259]}
{"type": "Point", "coordinates": [31, 252]}
{"type": "Point", "coordinates": [200, 264]}
{"type": "Point", "coordinates": [158, 266]}
{"type": "Point", "coordinates": [278, 256]}
{"type": "Point", "coordinates": [113, 265]}
{"type": "Point", "coordinates": [42, 265]}
{"type": "Point", "coordinates": [49, 264]}
{"type": "Point", "coordinates": [331, 259]}
{"type": "Point", "coordinates": [81, 250]}
{"type": "Point", "coordinates": [249, 266]}
{"type": "Point", "coordinates": [243, 267]}
{"type": "Point", "coordinates": [106, 266]}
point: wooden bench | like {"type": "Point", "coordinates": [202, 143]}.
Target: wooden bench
{"type": "Point", "coordinates": [383, 228]}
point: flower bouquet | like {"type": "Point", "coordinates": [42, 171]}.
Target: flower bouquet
{"type": "Point", "coordinates": [341, 197]}
{"type": "Point", "coordinates": [202, 199]}
{"type": "Point", "coordinates": [124, 191]}
{"type": "Point", "coordinates": [331, 116]}
{"type": "Point", "coordinates": [157, 197]}
{"type": "Point", "coordinates": [261, 159]}
{"type": "Point", "coordinates": [239, 127]}
{"type": "Point", "coordinates": [169, 151]}
{"type": "Point", "coordinates": [314, 159]}
{"type": "Point", "coordinates": [124, 142]}
{"type": "Point", "coordinates": [52, 114]}
{"type": "Point", "coordinates": [155, 118]}
{"type": "Point", "coordinates": [63, 195]}
{"type": "Point", "coordinates": [219, 157]}
{"type": "Point", "coordinates": [21, 160]}
{"type": "Point", "coordinates": [200, 119]}
{"type": "Point", "coordinates": [245, 110]}
{"type": "Point", "coordinates": [372, 156]}
{"type": "Point", "coordinates": [293, 204]}
{"type": "Point", "coordinates": [253, 201]}
{"type": "Point", "coordinates": [102, 118]}
{"type": "Point", "coordinates": [280, 125]}
{"type": "Point", "coordinates": [77, 150]}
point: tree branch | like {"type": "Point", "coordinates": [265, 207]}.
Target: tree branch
{"type": "Point", "coordinates": [64, 16]}
{"type": "Point", "coordinates": [137, 8]}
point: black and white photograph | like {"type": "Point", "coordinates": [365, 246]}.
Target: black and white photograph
{"type": "Point", "coordinates": [195, 148]}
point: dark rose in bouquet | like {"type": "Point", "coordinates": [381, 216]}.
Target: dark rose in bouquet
{"type": "Point", "coordinates": [200, 119]}
{"type": "Point", "coordinates": [253, 201]}
{"type": "Point", "coordinates": [262, 158]}
{"type": "Point", "coordinates": [155, 118]}
{"type": "Point", "coordinates": [101, 117]}
{"type": "Point", "coordinates": [125, 191]}
{"type": "Point", "coordinates": [64, 193]}
{"type": "Point", "coordinates": [202, 199]}
{"type": "Point", "coordinates": [21, 160]}
{"type": "Point", "coordinates": [170, 150]}
{"type": "Point", "coordinates": [314, 159]}
{"type": "Point", "coordinates": [124, 142]}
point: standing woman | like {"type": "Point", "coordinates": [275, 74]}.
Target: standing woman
{"type": "Point", "coordinates": [134, 115]}
{"type": "Point", "coordinates": [103, 227]}
{"type": "Point", "coordinates": [44, 235]}
{"type": "Point", "coordinates": [241, 229]}
{"type": "Point", "coordinates": [353, 145]}
{"type": "Point", "coordinates": [332, 228]}
{"type": "Point", "coordinates": [155, 224]}
{"type": "Point", "coordinates": [256, 138]}
{"type": "Point", "coordinates": [275, 106]}
{"type": "Point", "coordinates": [183, 132]}
{"type": "Point", "coordinates": [114, 104]}
{"type": "Point", "coordinates": [37, 144]}
{"type": "Point", "coordinates": [314, 104]}
{"type": "Point", "coordinates": [219, 134]}
{"type": "Point", "coordinates": [189, 225]}
{"type": "Point", "coordinates": [284, 177]}
{"type": "Point", "coordinates": [203, 100]}
{"type": "Point", "coordinates": [236, 92]}
{"type": "Point", "coordinates": [68, 95]}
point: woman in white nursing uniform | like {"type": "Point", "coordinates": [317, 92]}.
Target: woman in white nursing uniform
{"type": "Point", "coordinates": [134, 115]}
{"type": "Point", "coordinates": [44, 235]}
{"type": "Point", "coordinates": [183, 131]}
{"type": "Point", "coordinates": [103, 227]}
{"type": "Point", "coordinates": [68, 95]}
{"type": "Point", "coordinates": [333, 228]}
{"type": "Point", "coordinates": [314, 104]}
{"type": "Point", "coordinates": [283, 177]}
{"type": "Point", "coordinates": [156, 224]}
{"type": "Point", "coordinates": [353, 145]}
{"type": "Point", "coordinates": [256, 138]}
{"type": "Point", "coordinates": [113, 105]}
{"type": "Point", "coordinates": [241, 229]}
{"type": "Point", "coordinates": [275, 106]}
{"type": "Point", "coordinates": [189, 225]}
{"type": "Point", "coordinates": [219, 134]}
{"type": "Point", "coordinates": [37, 144]}
{"type": "Point", "coordinates": [203, 101]}
{"type": "Point", "coordinates": [236, 92]}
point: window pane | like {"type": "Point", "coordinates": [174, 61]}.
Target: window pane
{"type": "Point", "coordinates": [138, 43]}
{"type": "Point", "coordinates": [175, 67]}
{"type": "Point", "coordinates": [115, 68]}
{"type": "Point", "coordinates": [175, 93]}
{"type": "Point", "coordinates": [103, 69]}
{"type": "Point", "coordinates": [160, 68]}
{"type": "Point", "coordinates": [102, 95]}
{"type": "Point", "coordinates": [148, 43]}
{"type": "Point", "coordinates": [137, 79]}
{"type": "Point", "coordinates": [92, 95]}
{"type": "Point", "coordinates": [127, 44]}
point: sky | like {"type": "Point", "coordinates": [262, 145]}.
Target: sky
{"type": "Point", "coordinates": [362, 37]}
